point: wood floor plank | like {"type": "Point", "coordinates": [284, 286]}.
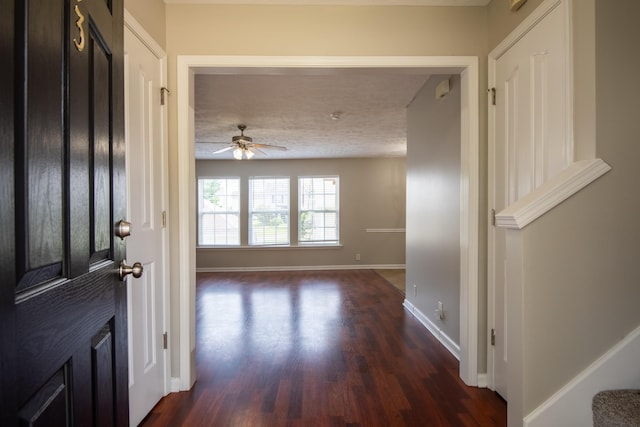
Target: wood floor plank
{"type": "Point", "coordinates": [322, 348]}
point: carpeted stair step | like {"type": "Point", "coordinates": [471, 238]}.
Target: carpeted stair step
{"type": "Point", "coordinates": [616, 408]}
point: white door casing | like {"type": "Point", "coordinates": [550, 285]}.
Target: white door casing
{"type": "Point", "coordinates": [530, 141]}
{"type": "Point", "coordinates": [147, 195]}
{"type": "Point", "coordinates": [188, 65]}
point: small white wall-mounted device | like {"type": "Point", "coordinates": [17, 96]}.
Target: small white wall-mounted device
{"type": "Point", "coordinates": [442, 89]}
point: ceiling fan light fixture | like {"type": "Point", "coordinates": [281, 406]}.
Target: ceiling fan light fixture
{"type": "Point", "coordinates": [336, 115]}
{"type": "Point", "coordinates": [243, 146]}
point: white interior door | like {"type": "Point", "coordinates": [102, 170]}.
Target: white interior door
{"type": "Point", "coordinates": [531, 143]}
{"type": "Point", "coordinates": [146, 200]}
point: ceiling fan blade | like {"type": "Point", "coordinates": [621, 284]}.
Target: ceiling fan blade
{"type": "Point", "coordinates": [257, 150]}
{"type": "Point", "coordinates": [222, 150]}
{"type": "Point", "coordinates": [270, 147]}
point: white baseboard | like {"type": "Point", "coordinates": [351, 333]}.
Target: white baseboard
{"type": "Point", "coordinates": [301, 268]}
{"type": "Point", "coordinates": [571, 405]}
{"type": "Point", "coordinates": [483, 381]}
{"type": "Point", "coordinates": [444, 339]}
{"type": "Point", "coordinates": [174, 385]}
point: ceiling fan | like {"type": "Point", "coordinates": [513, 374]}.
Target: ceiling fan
{"type": "Point", "coordinates": [244, 145]}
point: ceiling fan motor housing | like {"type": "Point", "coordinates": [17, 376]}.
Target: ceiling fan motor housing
{"type": "Point", "coordinates": [242, 139]}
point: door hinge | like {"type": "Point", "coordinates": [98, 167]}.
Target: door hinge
{"type": "Point", "coordinates": [164, 219]}
{"type": "Point", "coordinates": [163, 90]}
{"type": "Point", "coordinates": [493, 217]}
{"type": "Point", "coordinates": [493, 336]}
{"type": "Point", "coordinates": [492, 91]}
{"type": "Point", "coordinates": [165, 339]}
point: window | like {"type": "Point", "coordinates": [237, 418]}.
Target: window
{"type": "Point", "coordinates": [269, 211]}
{"type": "Point", "coordinates": [219, 211]}
{"type": "Point", "coordinates": [318, 209]}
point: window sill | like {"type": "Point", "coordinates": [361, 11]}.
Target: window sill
{"type": "Point", "coordinates": [272, 247]}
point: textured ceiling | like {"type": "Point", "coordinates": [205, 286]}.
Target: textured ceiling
{"type": "Point", "coordinates": [294, 111]}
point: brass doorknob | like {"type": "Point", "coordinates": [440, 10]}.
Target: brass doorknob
{"type": "Point", "coordinates": [124, 269]}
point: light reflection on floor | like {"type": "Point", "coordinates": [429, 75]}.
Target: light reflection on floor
{"type": "Point", "coordinates": [272, 327]}
{"type": "Point", "coordinates": [235, 320]}
{"type": "Point", "coordinates": [319, 314]}
{"type": "Point", "coordinates": [216, 310]}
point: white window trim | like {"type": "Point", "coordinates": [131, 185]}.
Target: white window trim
{"type": "Point", "coordinates": [199, 212]}
{"type": "Point", "coordinates": [336, 241]}
{"type": "Point", "coordinates": [250, 212]}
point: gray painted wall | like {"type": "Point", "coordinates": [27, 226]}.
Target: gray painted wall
{"type": "Point", "coordinates": [433, 204]}
{"type": "Point", "coordinates": [581, 288]}
{"type": "Point", "coordinates": [372, 196]}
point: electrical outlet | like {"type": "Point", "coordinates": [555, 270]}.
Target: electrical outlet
{"type": "Point", "coordinates": [357, 257]}
{"type": "Point", "coordinates": [415, 290]}
{"type": "Point", "coordinates": [440, 310]}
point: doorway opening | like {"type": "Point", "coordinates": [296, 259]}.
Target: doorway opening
{"type": "Point", "coordinates": [467, 67]}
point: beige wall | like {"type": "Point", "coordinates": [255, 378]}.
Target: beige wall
{"type": "Point", "coordinates": [433, 204]}
{"type": "Point", "coordinates": [325, 30]}
{"type": "Point", "coordinates": [317, 30]}
{"type": "Point", "coordinates": [584, 79]}
{"type": "Point", "coordinates": [372, 195]}
{"type": "Point", "coordinates": [151, 15]}
{"type": "Point", "coordinates": [503, 20]}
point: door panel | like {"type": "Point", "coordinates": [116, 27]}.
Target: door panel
{"type": "Point", "coordinates": [531, 110]}
{"type": "Point", "coordinates": [102, 374]}
{"type": "Point", "coordinates": [40, 99]}
{"type": "Point", "coordinates": [63, 307]}
{"type": "Point", "coordinates": [49, 405]}
{"type": "Point", "coordinates": [100, 151]}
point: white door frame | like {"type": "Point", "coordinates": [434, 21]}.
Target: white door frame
{"type": "Point", "coordinates": [467, 66]}
{"type": "Point", "coordinates": [138, 30]}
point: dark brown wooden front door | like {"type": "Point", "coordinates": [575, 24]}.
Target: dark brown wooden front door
{"type": "Point", "coordinates": [63, 336]}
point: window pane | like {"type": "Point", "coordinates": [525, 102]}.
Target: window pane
{"type": "Point", "coordinates": [318, 209]}
{"type": "Point", "coordinates": [219, 211]}
{"type": "Point", "coordinates": [269, 211]}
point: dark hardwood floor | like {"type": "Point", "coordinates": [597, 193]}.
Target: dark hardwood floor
{"type": "Point", "coordinates": [322, 348]}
